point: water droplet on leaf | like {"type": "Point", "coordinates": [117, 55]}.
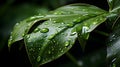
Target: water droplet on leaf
{"type": "Point", "coordinates": [70, 25]}
{"type": "Point", "coordinates": [67, 43]}
{"type": "Point", "coordinates": [94, 23]}
{"type": "Point", "coordinates": [62, 23]}
{"type": "Point", "coordinates": [36, 30]}
{"type": "Point", "coordinates": [44, 30]}
{"type": "Point", "coordinates": [54, 21]}
{"type": "Point", "coordinates": [38, 58]}
{"type": "Point", "coordinates": [17, 24]}
{"type": "Point", "coordinates": [23, 34]}
{"type": "Point", "coordinates": [85, 29]}
{"type": "Point", "coordinates": [83, 9]}
{"type": "Point", "coordinates": [58, 13]}
{"type": "Point", "coordinates": [28, 36]}
{"type": "Point", "coordinates": [10, 37]}
{"type": "Point", "coordinates": [50, 19]}
{"type": "Point", "coordinates": [51, 36]}
{"type": "Point", "coordinates": [46, 23]}
{"type": "Point", "coordinates": [73, 33]}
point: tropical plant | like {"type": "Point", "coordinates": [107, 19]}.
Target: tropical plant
{"type": "Point", "coordinates": [47, 37]}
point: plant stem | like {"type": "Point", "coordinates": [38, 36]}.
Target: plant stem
{"type": "Point", "coordinates": [72, 58]}
{"type": "Point", "coordinates": [101, 32]}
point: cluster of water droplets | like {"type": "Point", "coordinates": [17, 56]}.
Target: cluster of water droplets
{"type": "Point", "coordinates": [43, 30]}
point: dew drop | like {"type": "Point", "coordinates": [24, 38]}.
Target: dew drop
{"type": "Point", "coordinates": [73, 33]}
{"type": "Point", "coordinates": [17, 24]}
{"type": "Point", "coordinates": [54, 21]}
{"type": "Point", "coordinates": [83, 9]}
{"type": "Point", "coordinates": [28, 36]}
{"type": "Point", "coordinates": [58, 13]}
{"type": "Point", "coordinates": [85, 29]}
{"type": "Point", "coordinates": [36, 30]}
{"type": "Point", "coordinates": [51, 36]}
{"type": "Point", "coordinates": [62, 23]}
{"type": "Point", "coordinates": [70, 25]}
{"type": "Point", "coordinates": [38, 58]}
{"type": "Point", "coordinates": [67, 43]}
{"type": "Point", "coordinates": [10, 37]}
{"type": "Point", "coordinates": [44, 30]}
{"type": "Point", "coordinates": [23, 35]}
{"type": "Point", "coordinates": [94, 23]}
{"type": "Point", "coordinates": [50, 19]}
{"type": "Point", "coordinates": [46, 23]}
{"type": "Point", "coordinates": [10, 40]}
{"type": "Point", "coordinates": [55, 13]}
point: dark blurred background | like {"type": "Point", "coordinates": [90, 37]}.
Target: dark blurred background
{"type": "Point", "coordinates": [13, 11]}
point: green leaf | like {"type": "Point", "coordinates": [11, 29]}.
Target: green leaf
{"type": "Point", "coordinates": [114, 5]}
{"type": "Point", "coordinates": [55, 36]}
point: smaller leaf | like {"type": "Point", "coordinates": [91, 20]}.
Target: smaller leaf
{"type": "Point", "coordinates": [114, 5]}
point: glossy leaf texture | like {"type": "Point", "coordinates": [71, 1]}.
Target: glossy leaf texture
{"type": "Point", "coordinates": [114, 5]}
{"type": "Point", "coordinates": [55, 36]}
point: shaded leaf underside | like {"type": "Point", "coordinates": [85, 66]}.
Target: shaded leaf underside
{"type": "Point", "coordinates": [113, 48]}
{"type": "Point", "coordinates": [113, 45]}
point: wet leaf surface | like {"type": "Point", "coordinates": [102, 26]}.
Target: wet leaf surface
{"type": "Point", "coordinates": [58, 33]}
